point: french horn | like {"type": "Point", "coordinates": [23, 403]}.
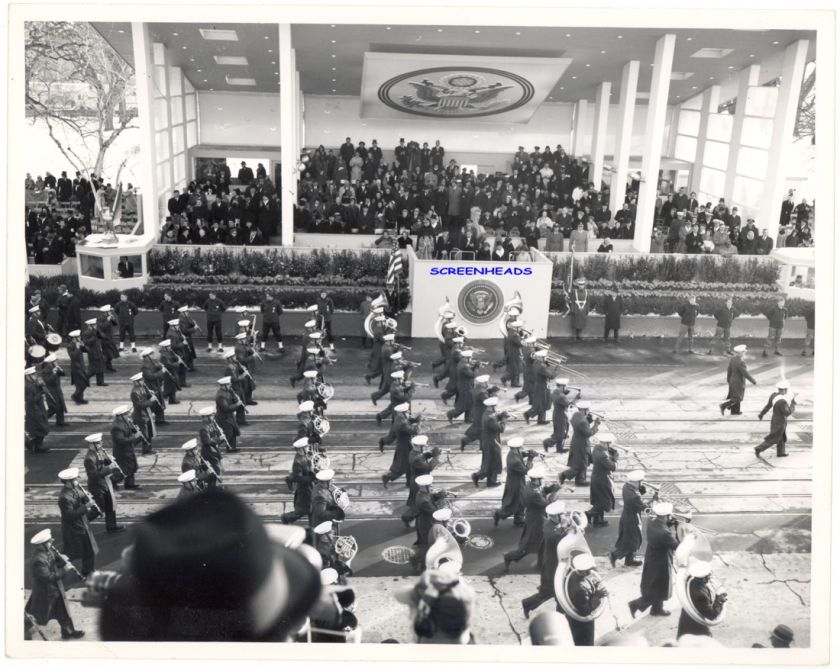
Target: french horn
{"type": "Point", "coordinates": [694, 547]}
{"type": "Point", "coordinates": [345, 548]}
{"type": "Point", "coordinates": [326, 391]}
{"type": "Point", "coordinates": [460, 529]}
{"type": "Point", "coordinates": [574, 543]}
{"type": "Point", "coordinates": [318, 461]}
{"type": "Point", "coordinates": [321, 425]}
{"type": "Point", "coordinates": [443, 548]}
{"type": "Point", "coordinates": [340, 498]}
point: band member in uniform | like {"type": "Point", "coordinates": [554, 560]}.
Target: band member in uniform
{"type": "Point", "coordinates": [481, 391]}
{"type": "Point", "coordinates": [707, 602]}
{"type": "Point", "coordinates": [69, 311]}
{"type": "Point", "coordinates": [586, 591]}
{"type": "Point", "coordinates": [513, 498]}
{"type": "Point", "coordinates": [447, 331]}
{"type": "Point", "coordinates": [560, 403]}
{"type": "Point", "coordinates": [36, 331]}
{"type": "Point", "coordinates": [126, 310]}
{"type": "Point", "coordinates": [226, 404]}
{"type": "Point", "coordinates": [401, 393]}
{"type": "Point", "coordinates": [306, 424]}
{"type": "Point", "coordinates": [420, 462]}
{"type": "Point", "coordinates": [782, 405]}
{"type": "Point", "coordinates": [48, 600]}
{"type": "Point", "coordinates": [326, 308]}
{"type": "Point", "coordinates": [180, 346]}
{"type": "Point", "coordinates": [380, 336]}
{"type": "Point", "coordinates": [456, 354]}
{"type": "Point", "coordinates": [580, 306]}
{"type": "Point", "coordinates": [188, 327]}
{"type": "Point", "coordinates": [310, 392]}
{"type": "Point", "coordinates": [426, 504]}
{"type": "Point", "coordinates": [102, 475]}
{"type": "Point", "coordinates": [540, 394]}
{"type": "Point", "coordinates": [465, 374]}
{"type": "Point", "coordinates": [324, 536]}
{"type": "Point", "coordinates": [154, 377]}
{"type": "Point", "coordinates": [76, 508]}
{"type": "Point", "coordinates": [168, 310]}
{"type": "Point", "coordinates": [169, 362]}
{"type": "Point", "coordinates": [93, 347]}
{"type": "Point", "coordinates": [492, 426]}
{"type": "Point", "coordinates": [390, 360]}
{"type": "Point", "coordinates": [630, 525]}
{"type": "Point", "coordinates": [580, 454]}
{"type": "Point", "coordinates": [513, 355]}
{"type": "Point", "coordinates": [659, 563]}
{"type": "Point", "coordinates": [214, 308]}
{"type": "Point", "coordinates": [403, 429]}
{"type": "Point", "coordinates": [601, 495]}
{"type": "Point", "coordinates": [239, 378]}
{"type": "Point", "coordinates": [271, 310]}
{"type": "Point", "coordinates": [143, 402]}
{"type": "Point", "coordinates": [324, 505]}
{"type": "Point", "coordinates": [189, 485]}
{"type": "Point", "coordinates": [536, 499]}
{"type": "Point", "coordinates": [36, 423]}
{"type": "Point", "coordinates": [300, 480]}
{"type": "Point", "coordinates": [528, 350]}
{"type": "Point", "coordinates": [51, 375]}
{"type": "Point", "coordinates": [737, 377]}
{"type": "Point", "coordinates": [245, 356]}
{"type": "Point", "coordinates": [105, 323]}
{"type": "Point", "coordinates": [78, 373]}
{"type": "Point", "coordinates": [124, 434]}
{"type": "Point", "coordinates": [212, 439]}
{"type": "Point", "coordinates": [554, 529]}
{"type": "Point", "coordinates": [205, 476]}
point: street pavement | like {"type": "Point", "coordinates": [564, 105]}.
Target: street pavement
{"type": "Point", "coordinates": [661, 406]}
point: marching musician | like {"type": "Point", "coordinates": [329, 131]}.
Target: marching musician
{"type": "Point", "coordinates": [325, 536]}
{"type": "Point", "coordinates": [401, 393]}
{"type": "Point", "coordinates": [659, 562]}
{"type": "Point", "coordinates": [93, 347]}
{"type": "Point", "coordinates": [390, 364]}
{"type": "Point", "coordinates": [481, 391]}
{"type": "Point", "coordinates": [309, 327]}
{"type": "Point", "coordinates": [310, 392]}
{"type": "Point", "coordinates": [535, 499]}
{"type": "Point", "coordinates": [492, 426]}
{"type": "Point", "coordinates": [511, 317]}
{"type": "Point", "coordinates": [76, 512]}
{"type": "Point", "coordinates": [205, 476]}
{"type": "Point", "coordinates": [580, 307]}
{"type": "Point", "coordinates": [48, 599]}
{"type": "Point", "coordinates": [326, 308]}
{"type": "Point", "coordinates": [560, 403]}
{"type": "Point", "coordinates": [554, 529]}
{"type": "Point", "coordinates": [630, 526]}
{"type": "Point", "coordinates": [188, 327]}
{"type": "Point", "coordinates": [168, 310]}
{"type": "Point", "coordinates": [36, 423]}
{"type": "Point", "coordinates": [324, 504]}
{"type": "Point", "coordinates": [189, 485]}
{"type": "Point", "coordinates": [447, 331]}
{"type": "Point", "coordinates": [420, 462]}
{"type": "Point", "coordinates": [306, 423]}
{"type": "Point", "coordinates": [69, 311]}
{"type": "Point", "coordinates": [170, 363]}
{"type": "Point", "coordinates": [248, 328]}
{"type": "Point", "coordinates": [311, 360]}
{"type": "Point", "coordinates": [456, 354]}
{"type": "Point", "coordinates": [426, 504]}
{"type": "Point", "coordinates": [105, 323]}
{"type": "Point", "coordinates": [78, 373]}
{"type": "Point", "coordinates": [465, 382]}
{"type": "Point", "coordinates": [403, 428]}
{"type": "Point", "coordinates": [528, 350]}
{"type": "Point", "coordinates": [601, 497]}
{"type": "Point", "coordinates": [124, 434]}
{"type": "Point", "coordinates": [513, 354]}
{"type": "Point", "coordinates": [180, 347]}
{"type": "Point", "coordinates": [580, 449]}
{"type": "Point", "coordinates": [586, 591]}
{"type": "Point", "coordinates": [36, 331]}
{"type": "Point", "coordinates": [238, 374]}
{"type": "Point", "coordinates": [126, 310]}
{"type": "Point", "coordinates": [380, 332]}
{"type": "Point", "coordinates": [300, 480]}
{"type": "Point", "coordinates": [214, 308]}
{"type": "Point", "coordinates": [365, 309]}
{"type": "Point", "coordinates": [513, 498]}
{"type": "Point", "coordinates": [540, 394]}
{"type": "Point", "coordinates": [737, 377]}
{"type": "Point", "coordinates": [102, 475]}
{"type": "Point", "coordinates": [456, 342]}
{"type": "Point", "coordinates": [271, 310]}
{"type": "Point", "coordinates": [707, 602]}
{"type": "Point", "coordinates": [155, 379]}
{"type": "Point", "coordinates": [782, 406]}
{"type": "Point", "coordinates": [227, 402]}
{"type": "Point", "coordinates": [245, 356]}
{"type": "Point", "coordinates": [51, 374]}
{"type": "Point", "coordinates": [211, 438]}
{"type": "Point", "coordinates": [143, 402]}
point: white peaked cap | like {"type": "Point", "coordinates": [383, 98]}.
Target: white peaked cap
{"type": "Point", "coordinates": [583, 561]}
{"type": "Point", "coordinates": [229, 353]}
{"type": "Point", "coordinates": [187, 476]}
{"type": "Point", "coordinates": [94, 438]}
{"type": "Point", "coordinates": [164, 343]}
{"type": "Point", "coordinates": [307, 405]}
{"type": "Point", "coordinates": [313, 349]}
{"type": "Point", "coordinates": [377, 310]}
{"type": "Point", "coordinates": [328, 576]}
{"type": "Point", "coordinates": [137, 377]}
{"type": "Point", "coordinates": [314, 335]}
{"type": "Point", "coordinates": [398, 374]}
{"type": "Point", "coordinates": [74, 333]}
{"type": "Point", "coordinates": [51, 358]}
{"type": "Point", "coordinates": [183, 308]}
{"type": "Point", "coordinates": [34, 309]}
{"type": "Point", "coordinates": [561, 382]}
{"type": "Point", "coordinates": [69, 474]}
{"type": "Point", "coordinates": [450, 325]}
{"type": "Point", "coordinates": [388, 337]}
{"type": "Point", "coordinates": [424, 479]}
{"type": "Point", "coordinates": [606, 436]}
{"type": "Point", "coordinates": [663, 508]}
{"type": "Point", "coordinates": [396, 356]}
{"type": "Point", "coordinates": [402, 407]}
{"type": "Point", "coordinates": [244, 323]}
{"type": "Point", "coordinates": [187, 445]}
{"type": "Point", "coordinates": [516, 324]}
{"type": "Point", "coordinates": [207, 411]}
{"type": "Point", "coordinates": [173, 322]}
{"type": "Point", "coordinates": [303, 442]}
{"type": "Point", "coordinates": [491, 401]}
{"type": "Point", "coordinates": [37, 351]}
{"type": "Point", "coordinates": [482, 378]}
{"type": "Point", "coordinates": [556, 508]}
{"type": "Point", "coordinates": [310, 323]}
{"type": "Point", "coordinates": [223, 381]}
{"type": "Point", "coordinates": [740, 348]}
{"type": "Point", "coordinates": [241, 336]}
{"type": "Point", "coordinates": [323, 528]}
{"type": "Point", "coordinates": [515, 442]}
{"type": "Point", "coordinates": [120, 410]}
{"type": "Point", "coordinates": [536, 472]}
{"type": "Point", "coordinates": [636, 475]}
{"type": "Point", "coordinates": [104, 308]}
{"type": "Point", "coordinates": [442, 515]}
{"type": "Point", "coordinates": [420, 440]}
{"type": "Point", "coordinates": [42, 537]}
{"type": "Point", "coordinates": [457, 340]}
{"type": "Point", "coordinates": [514, 311]}
{"type": "Point", "coordinates": [449, 314]}
{"type": "Point", "coordinates": [312, 307]}
{"type": "Point", "coordinates": [699, 569]}
{"type": "Point", "coordinates": [146, 351]}
{"type": "Point", "coordinates": [325, 475]}
{"type": "Point", "coordinates": [310, 373]}
{"type": "Point", "coordinates": [783, 385]}
{"type": "Point", "coordinates": [29, 371]}
{"type": "Point", "coordinates": [467, 353]}
{"type": "Point", "coordinates": [90, 321]}
{"type": "Point", "coordinates": [530, 340]}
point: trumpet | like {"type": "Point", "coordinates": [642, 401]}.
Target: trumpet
{"type": "Point", "coordinates": [596, 416]}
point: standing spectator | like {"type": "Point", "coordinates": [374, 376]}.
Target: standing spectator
{"type": "Point", "coordinates": [326, 308]}
{"type": "Point", "coordinates": [126, 310]}
{"type": "Point", "coordinates": [346, 151]}
{"type": "Point", "coordinates": [214, 308]}
{"type": "Point", "coordinates": [803, 213]}
{"type": "Point", "coordinates": [612, 313]}
{"type": "Point", "coordinates": [688, 317]}
{"type": "Point", "coordinates": [809, 330]}
{"type": "Point", "coordinates": [657, 243]}
{"type": "Point", "coordinates": [245, 175]}
{"type": "Point", "coordinates": [776, 317]}
{"type": "Point", "coordinates": [579, 239]}
{"type": "Point", "coordinates": [724, 316]}
{"type": "Point", "coordinates": [168, 310]}
{"type": "Point", "coordinates": [125, 268]}
{"type": "Point", "coordinates": [787, 209]}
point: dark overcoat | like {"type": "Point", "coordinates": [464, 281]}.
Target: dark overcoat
{"type": "Point", "coordinates": [513, 499]}
{"type": "Point", "coordinates": [580, 450]}
{"type": "Point", "coordinates": [737, 377]}
{"type": "Point", "coordinates": [782, 407]}
{"type": "Point", "coordinates": [659, 561]}
{"type": "Point", "coordinates": [532, 533]}
{"type": "Point", "coordinates": [47, 587]}
{"type": "Point", "coordinates": [491, 444]}
{"type": "Point", "coordinates": [601, 486]}
{"type": "Point", "coordinates": [630, 524]}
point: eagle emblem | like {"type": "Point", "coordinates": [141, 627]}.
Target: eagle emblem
{"type": "Point", "coordinates": [480, 301]}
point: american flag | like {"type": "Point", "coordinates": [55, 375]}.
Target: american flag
{"type": "Point", "coordinates": [395, 266]}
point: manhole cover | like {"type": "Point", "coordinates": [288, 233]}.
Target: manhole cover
{"type": "Point", "coordinates": [480, 542]}
{"type": "Point", "coordinates": [398, 554]}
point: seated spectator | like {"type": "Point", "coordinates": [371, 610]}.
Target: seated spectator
{"type": "Point", "coordinates": [605, 246]}
{"type": "Point", "coordinates": [657, 244]}
{"type": "Point", "coordinates": [749, 243]}
{"type": "Point", "coordinates": [764, 244]}
{"type": "Point", "coordinates": [485, 252]}
{"type": "Point", "coordinates": [554, 239]}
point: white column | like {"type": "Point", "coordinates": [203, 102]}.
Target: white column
{"type": "Point", "coordinates": [711, 101]}
{"type": "Point", "coordinates": [624, 135]}
{"type": "Point", "coordinates": [148, 161]}
{"type": "Point", "coordinates": [298, 110]}
{"type": "Point", "coordinates": [654, 138]}
{"type": "Point", "coordinates": [579, 129]}
{"type": "Point", "coordinates": [746, 78]}
{"type": "Point", "coordinates": [599, 133]}
{"type": "Point", "coordinates": [787, 106]}
{"type": "Point", "coordinates": [288, 156]}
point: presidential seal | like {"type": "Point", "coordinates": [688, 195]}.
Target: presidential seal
{"type": "Point", "coordinates": [480, 301]}
{"type": "Point", "coordinates": [448, 92]}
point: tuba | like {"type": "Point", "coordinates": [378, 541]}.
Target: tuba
{"type": "Point", "coordinates": [326, 391]}
{"type": "Point", "coordinates": [694, 546]}
{"type": "Point", "coordinates": [443, 548]}
{"type": "Point", "coordinates": [510, 304]}
{"type": "Point", "coordinates": [321, 425]}
{"type": "Point", "coordinates": [569, 546]}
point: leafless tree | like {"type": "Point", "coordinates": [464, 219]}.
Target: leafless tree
{"type": "Point", "coordinates": [806, 116]}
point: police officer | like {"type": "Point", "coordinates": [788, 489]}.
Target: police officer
{"type": "Point", "coordinates": [326, 308]}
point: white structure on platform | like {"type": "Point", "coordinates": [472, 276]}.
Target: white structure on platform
{"type": "Point", "coordinates": [97, 261]}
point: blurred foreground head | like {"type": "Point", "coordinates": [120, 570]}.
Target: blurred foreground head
{"type": "Point", "coordinates": [205, 569]}
{"type": "Point", "coordinates": [442, 604]}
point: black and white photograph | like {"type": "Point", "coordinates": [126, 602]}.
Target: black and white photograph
{"type": "Point", "coordinates": [485, 327]}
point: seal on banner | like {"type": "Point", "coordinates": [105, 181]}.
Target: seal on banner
{"type": "Point", "coordinates": [480, 301]}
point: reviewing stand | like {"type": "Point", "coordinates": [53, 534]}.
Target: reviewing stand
{"type": "Point", "coordinates": [98, 262]}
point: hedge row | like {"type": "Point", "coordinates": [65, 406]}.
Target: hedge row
{"type": "Point", "coordinates": [367, 282]}
{"type": "Point", "coordinates": [666, 267]}
{"type": "Point", "coordinates": [626, 285]}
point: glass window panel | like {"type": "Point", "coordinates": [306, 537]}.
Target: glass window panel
{"type": "Point", "coordinates": [178, 163]}
{"type": "Point", "coordinates": [685, 148]}
{"type": "Point", "coordinates": [748, 192]}
{"type": "Point", "coordinates": [188, 87]}
{"type": "Point", "coordinates": [716, 155]}
{"type": "Point", "coordinates": [757, 132]}
{"type": "Point", "coordinates": [693, 103]}
{"type": "Point", "coordinates": [158, 53]}
{"type": "Point", "coordinates": [720, 127]}
{"type": "Point", "coordinates": [126, 267]}
{"type": "Point", "coordinates": [689, 123]}
{"type": "Point", "coordinates": [175, 81]}
{"type": "Point", "coordinates": [752, 162]}
{"type": "Point", "coordinates": [178, 139]}
{"type": "Point", "coordinates": [176, 105]}
{"type": "Point", "coordinates": [160, 81]}
{"type": "Point", "coordinates": [190, 100]}
{"type": "Point", "coordinates": [162, 145]}
{"type": "Point", "coordinates": [712, 182]}
{"type": "Point", "coordinates": [761, 101]}
{"type": "Point", "coordinates": [92, 266]}
{"type": "Point", "coordinates": [192, 133]}
{"type": "Point", "coordinates": [161, 116]}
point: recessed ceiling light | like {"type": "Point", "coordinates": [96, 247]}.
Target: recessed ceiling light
{"type": "Point", "coordinates": [752, 55]}
{"type": "Point", "coordinates": [573, 77]}
{"type": "Point", "coordinates": [205, 81]}
{"type": "Point", "coordinates": [198, 70]}
{"type": "Point", "coordinates": [120, 30]}
{"type": "Point", "coordinates": [334, 80]}
{"type": "Point", "coordinates": [694, 88]}
{"type": "Point", "coordinates": [440, 30]}
{"type": "Point", "coordinates": [333, 90]}
{"type": "Point", "coordinates": [775, 43]}
{"type": "Point", "coordinates": [387, 27]}
{"type": "Point", "coordinates": [332, 25]}
{"type": "Point", "coordinates": [688, 39]}
{"type": "Point", "coordinates": [231, 60]}
{"type": "Point", "coordinates": [568, 34]}
{"type": "Point", "coordinates": [332, 55]}
{"type": "Point", "coordinates": [731, 67]}
{"type": "Point", "coordinates": [184, 47]}
{"type": "Point", "coordinates": [174, 34]}
{"type": "Point", "coordinates": [241, 81]}
{"type": "Point", "coordinates": [333, 69]}
{"type": "Point", "coordinates": [603, 51]}
{"type": "Point", "coordinates": [621, 37]}
{"type": "Point", "coordinates": [219, 108]}
{"type": "Point", "coordinates": [477, 32]}
{"type": "Point", "coordinates": [332, 41]}
{"type": "Point", "coordinates": [192, 60]}
{"type": "Point", "coordinates": [562, 88]}
{"type": "Point", "coordinates": [588, 65]}
{"type": "Point", "coordinates": [219, 35]}
{"type": "Point", "coordinates": [519, 33]}
{"type": "Point", "coordinates": [711, 77]}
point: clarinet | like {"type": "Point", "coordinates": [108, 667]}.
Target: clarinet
{"type": "Point", "coordinates": [60, 557]}
{"type": "Point", "coordinates": [221, 433]}
{"type": "Point", "coordinates": [239, 401]}
{"type": "Point", "coordinates": [137, 431]}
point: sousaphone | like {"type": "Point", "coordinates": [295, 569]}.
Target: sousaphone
{"type": "Point", "coordinates": [443, 548]}
{"type": "Point", "coordinates": [569, 546]}
{"type": "Point", "coordinates": [517, 303]}
{"type": "Point", "coordinates": [694, 547]}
